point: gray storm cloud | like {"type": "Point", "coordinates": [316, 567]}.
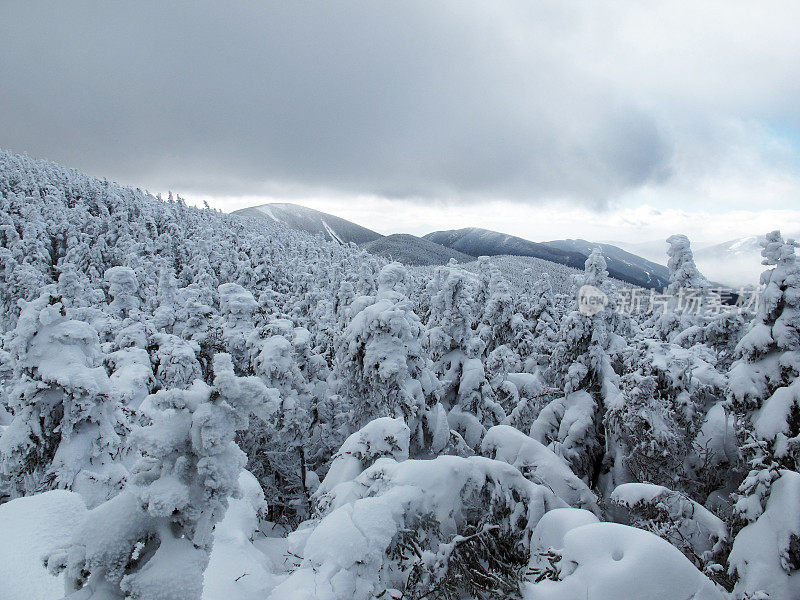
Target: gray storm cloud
{"type": "Point", "coordinates": [453, 101]}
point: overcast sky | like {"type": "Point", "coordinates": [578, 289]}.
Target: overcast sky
{"type": "Point", "coordinates": [606, 120]}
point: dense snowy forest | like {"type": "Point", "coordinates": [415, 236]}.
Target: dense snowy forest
{"type": "Point", "coordinates": [196, 405]}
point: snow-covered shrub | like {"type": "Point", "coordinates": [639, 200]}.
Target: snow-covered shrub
{"type": "Point", "coordinates": [539, 464]}
{"type": "Point", "coordinates": [686, 524]}
{"type": "Point", "coordinates": [449, 526]}
{"type": "Point", "coordinates": [381, 437]}
{"type": "Point", "coordinates": [568, 427]}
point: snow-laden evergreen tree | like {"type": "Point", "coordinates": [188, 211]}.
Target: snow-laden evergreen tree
{"type": "Point", "coordinates": [688, 292]}
{"type": "Point", "coordinates": [175, 360]}
{"type": "Point", "coordinates": [498, 323]}
{"type": "Point", "coordinates": [130, 366]}
{"type": "Point", "coordinates": [281, 449]}
{"type": "Point", "coordinates": [764, 394]}
{"type": "Point", "coordinates": [123, 287]}
{"type": "Point", "coordinates": [574, 425]}
{"type": "Point", "coordinates": [163, 303]}
{"type": "Point", "coordinates": [537, 337]}
{"type": "Point", "coordinates": [764, 556]}
{"type": "Point", "coordinates": [152, 541]}
{"type": "Point", "coordinates": [6, 375]}
{"type": "Point", "coordinates": [683, 272]}
{"type": "Point", "coordinates": [237, 307]}
{"type": "Point", "coordinates": [197, 322]}
{"type": "Point", "coordinates": [667, 393]}
{"type": "Point", "coordinates": [73, 286]}
{"type": "Point", "coordinates": [67, 424]}
{"type": "Point", "coordinates": [450, 326]}
{"type": "Point", "coordinates": [456, 349]}
{"type": "Point", "coordinates": [382, 369]}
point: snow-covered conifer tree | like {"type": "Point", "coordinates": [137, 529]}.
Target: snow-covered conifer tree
{"type": "Point", "coordinates": [584, 360]}
{"type": "Point", "coordinates": [153, 540]}
{"type": "Point", "coordinates": [382, 369]}
{"type": "Point", "coordinates": [688, 290]}
{"type": "Point", "coordinates": [237, 307]}
{"type": "Point", "coordinates": [764, 393]}
{"type": "Point", "coordinates": [123, 287]}
{"type": "Point", "coordinates": [67, 424]}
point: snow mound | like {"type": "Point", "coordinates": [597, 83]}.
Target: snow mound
{"type": "Point", "coordinates": [30, 528]}
{"type": "Point", "coordinates": [608, 561]}
{"type": "Point", "coordinates": [555, 524]}
{"type": "Point", "coordinates": [237, 570]}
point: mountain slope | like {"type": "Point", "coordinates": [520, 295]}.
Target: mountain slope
{"type": "Point", "coordinates": [413, 250]}
{"type": "Point", "coordinates": [483, 242]}
{"type": "Point", "coordinates": [621, 264]}
{"type": "Point", "coordinates": [311, 221]}
{"type": "Point", "coordinates": [654, 250]}
{"type": "Point", "coordinates": [572, 253]}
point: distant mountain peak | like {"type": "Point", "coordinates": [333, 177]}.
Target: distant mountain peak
{"type": "Point", "coordinates": [311, 221]}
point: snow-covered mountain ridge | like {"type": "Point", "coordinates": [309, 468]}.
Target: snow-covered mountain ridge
{"type": "Point", "coordinates": [463, 245]}
{"type": "Point", "coordinates": [573, 253]}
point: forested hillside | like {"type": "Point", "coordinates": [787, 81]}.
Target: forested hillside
{"type": "Point", "coordinates": [195, 405]}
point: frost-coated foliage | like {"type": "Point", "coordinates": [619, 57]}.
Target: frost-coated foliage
{"type": "Point", "coordinates": [448, 526]}
{"type": "Point", "coordinates": [67, 425]}
{"type": "Point", "coordinates": [683, 272]}
{"type": "Point", "coordinates": [455, 432]}
{"type": "Point", "coordinates": [152, 541]}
